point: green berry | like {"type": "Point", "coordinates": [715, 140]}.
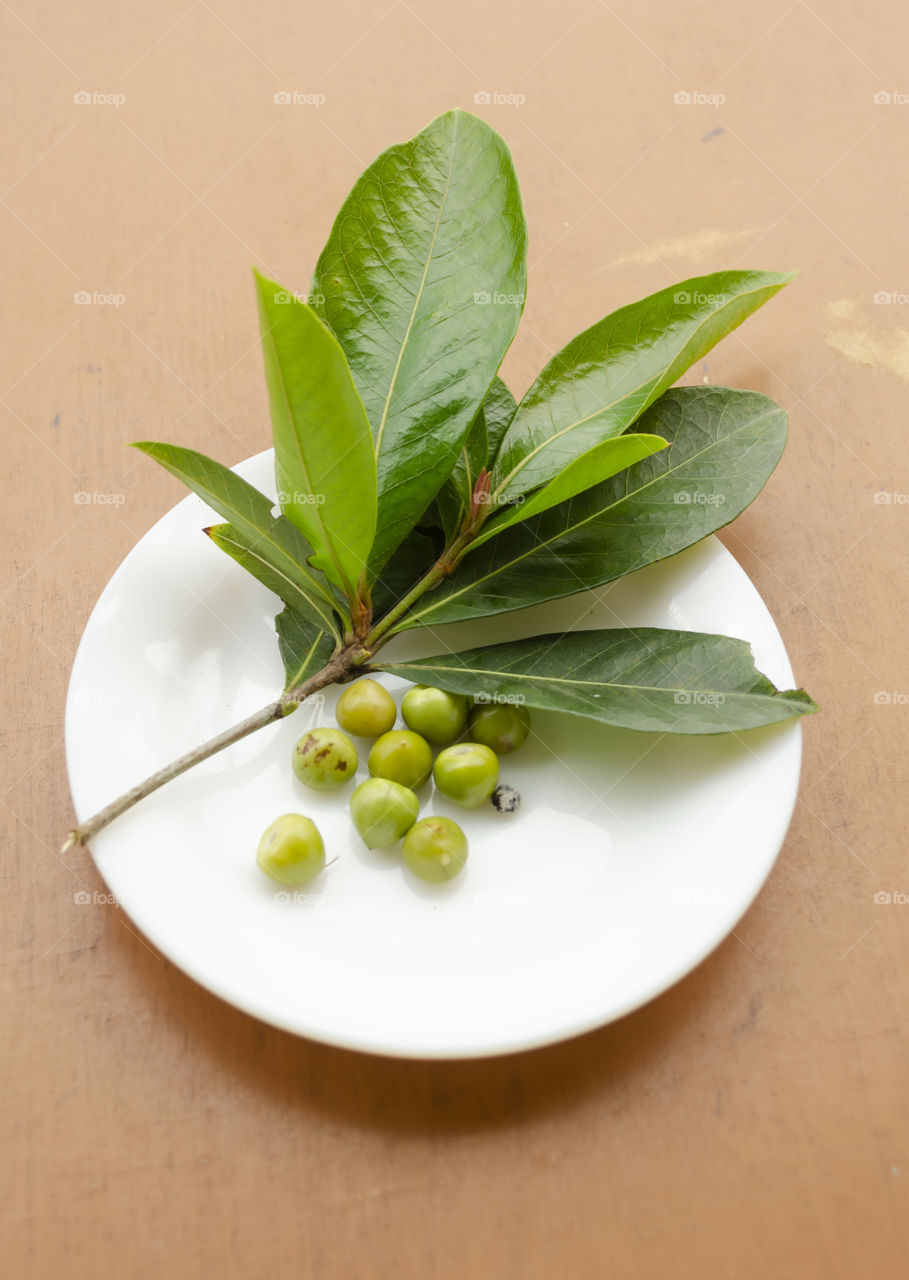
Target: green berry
{"type": "Point", "coordinates": [439, 716]}
{"type": "Point", "coordinates": [435, 849]}
{"type": "Point", "coordinates": [366, 709]}
{"type": "Point", "coordinates": [500, 725]}
{"type": "Point", "coordinates": [291, 850]}
{"type": "Point", "coordinates": [382, 811]}
{"type": "Point", "coordinates": [467, 773]}
{"type": "Point", "coordinates": [324, 759]}
{"type": "Point", "coordinates": [401, 756]}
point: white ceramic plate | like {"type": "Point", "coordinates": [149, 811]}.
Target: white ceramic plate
{"type": "Point", "coordinates": [632, 857]}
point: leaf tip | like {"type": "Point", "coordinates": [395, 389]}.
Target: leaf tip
{"type": "Point", "coordinates": [808, 705]}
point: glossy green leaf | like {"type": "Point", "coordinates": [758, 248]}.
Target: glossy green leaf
{"type": "Point", "coordinates": [642, 678]}
{"type": "Point", "coordinates": [723, 444]}
{"type": "Point", "coordinates": [597, 464]}
{"type": "Point", "coordinates": [324, 462]}
{"type": "Point", "coordinates": [478, 451]}
{"type": "Point", "coordinates": [454, 498]}
{"type": "Point", "coordinates": [252, 555]}
{"type": "Point", "coordinates": [423, 280]}
{"type": "Point", "coordinates": [304, 639]}
{"type": "Point", "coordinates": [600, 383]}
{"type": "Point", "coordinates": [304, 646]}
{"type": "Point", "coordinates": [279, 543]}
{"type": "Point", "coordinates": [407, 565]}
{"type": "Point", "coordinates": [498, 409]}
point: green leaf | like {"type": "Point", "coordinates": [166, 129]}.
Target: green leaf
{"type": "Point", "coordinates": [423, 280]}
{"type": "Point", "coordinates": [454, 498]}
{"type": "Point", "coordinates": [407, 565]}
{"type": "Point", "coordinates": [303, 638]}
{"type": "Point", "coordinates": [597, 464]}
{"type": "Point", "coordinates": [324, 463]}
{"type": "Point", "coordinates": [477, 451]}
{"type": "Point", "coordinates": [304, 646]}
{"type": "Point", "coordinates": [499, 409]}
{"type": "Point", "coordinates": [642, 678]}
{"type": "Point", "coordinates": [723, 444]}
{"type": "Point", "coordinates": [252, 555]}
{"type": "Point", "coordinates": [278, 542]}
{"type": "Point", "coordinates": [600, 383]}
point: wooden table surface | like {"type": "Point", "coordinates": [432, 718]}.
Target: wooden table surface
{"type": "Point", "coordinates": [752, 1122]}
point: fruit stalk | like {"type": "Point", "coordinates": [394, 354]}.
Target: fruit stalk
{"type": "Point", "coordinates": [349, 662]}
{"type": "Point", "coordinates": [340, 668]}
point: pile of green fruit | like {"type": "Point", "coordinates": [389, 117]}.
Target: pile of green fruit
{"type": "Point", "coordinates": [384, 808]}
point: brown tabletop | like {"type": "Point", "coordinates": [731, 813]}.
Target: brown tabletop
{"type": "Point", "coordinates": [750, 1123]}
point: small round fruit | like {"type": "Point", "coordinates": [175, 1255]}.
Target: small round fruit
{"type": "Point", "coordinates": [382, 811]}
{"type": "Point", "coordinates": [500, 725]}
{"type": "Point", "coordinates": [366, 709]}
{"type": "Point", "coordinates": [291, 850]}
{"type": "Point", "coordinates": [467, 773]}
{"type": "Point", "coordinates": [439, 716]}
{"type": "Point", "coordinates": [324, 759]}
{"type": "Point", "coordinates": [401, 756]}
{"type": "Point", "coordinates": [435, 849]}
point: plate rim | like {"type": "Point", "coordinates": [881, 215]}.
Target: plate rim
{"type": "Point", "coordinates": [781, 813]}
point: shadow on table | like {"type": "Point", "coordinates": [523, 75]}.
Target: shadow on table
{"type": "Point", "coordinates": [398, 1096]}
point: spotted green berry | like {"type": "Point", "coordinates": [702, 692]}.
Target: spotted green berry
{"type": "Point", "coordinates": [324, 759]}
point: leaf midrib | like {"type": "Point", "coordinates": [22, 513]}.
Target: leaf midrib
{"type": "Point", "coordinates": [380, 430]}
{"type": "Point", "coordinates": [326, 538]}
{"type": "Point", "coordinates": [304, 665]}
{"type": "Point", "coordinates": [315, 605]}
{"type": "Point", "coordinates": [599, 684]}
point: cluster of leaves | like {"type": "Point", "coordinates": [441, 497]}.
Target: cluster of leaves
{"type": "Point", "coordinates": [413, 490]}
